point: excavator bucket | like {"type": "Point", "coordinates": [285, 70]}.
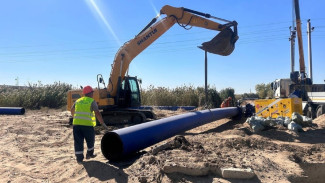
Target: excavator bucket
{"type": "Point", "coordinates": [222, 44]}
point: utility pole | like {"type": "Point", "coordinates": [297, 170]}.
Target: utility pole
{"type": "Point", "coordinates": [206, 77]}
{"type": "Point", "coordinates": [292, 39]}
{"type": "Point", "coordinates": [292, 46]}
{"type": "Point", "coordinates": [309, 30]}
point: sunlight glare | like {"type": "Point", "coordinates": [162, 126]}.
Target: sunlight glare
{"type": "Point", "coordinates": [103, 19]}
{"type": "Point", "coordinates": [155, 10]}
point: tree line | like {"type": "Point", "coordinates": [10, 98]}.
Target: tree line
{"type": "Point", "coordinates": [35, 96]}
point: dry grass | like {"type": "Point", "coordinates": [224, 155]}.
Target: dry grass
{"type": "Point", "coordinates": [180, 96]}
{"type": "Point", "coordinates": [35, 96]}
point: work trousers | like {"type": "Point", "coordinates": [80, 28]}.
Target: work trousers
{"type": "Point", "coordinates": [79, 134]}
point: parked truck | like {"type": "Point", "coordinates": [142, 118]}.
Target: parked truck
{"type": "Point", "coordinates": [299, 85]}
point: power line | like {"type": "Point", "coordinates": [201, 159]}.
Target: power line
{"type": "Point", "coordinates": [177, 34]}
{"type": "Point", "coordinates": [174, 46]}
{"type": "Point", "coordinates": [245, 38]}
{"type": "Point", "coordinates": [160, 50]}
{"type": "Point", "coordinates": [105, 48]}
{"type": "Point", "coordinates": [108, 41]}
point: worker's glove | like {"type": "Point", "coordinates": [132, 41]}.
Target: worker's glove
{"type": "Point", "coordinates": [104, 125]}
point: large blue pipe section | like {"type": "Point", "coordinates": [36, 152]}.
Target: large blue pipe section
{"type": "Point", "coordinates": [12, 110]}
{"type": "Point", "coordinates": [172, 108]}
{"type": "Point", "coordinates": [122, 142]}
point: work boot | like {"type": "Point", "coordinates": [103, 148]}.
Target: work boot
{"type": "Point", "coordinates": [88, 156]}
{"type": "Point", "coordinates": [80, 158]}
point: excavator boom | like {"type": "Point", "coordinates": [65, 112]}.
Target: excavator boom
{"type": "Point", "coordinates": [222, 44]}
{"type": "Point", "coordinates": [122, 93]}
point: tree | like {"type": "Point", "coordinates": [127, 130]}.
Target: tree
{"type": "Point", "coordinates": [264, 90]}
{"type": "Point", "coordinates": [249, 95]}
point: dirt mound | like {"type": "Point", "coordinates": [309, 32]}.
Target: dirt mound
{"type": "Point", "coordinates": [39, 148]}
{"type": "Point", "coordinates": [320, 121]}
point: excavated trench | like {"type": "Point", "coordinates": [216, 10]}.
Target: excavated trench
{"type": "Point", "coordinates": [313, 172]}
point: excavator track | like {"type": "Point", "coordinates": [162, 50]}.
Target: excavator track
{"type": "Point", "coordinates": [127, 116]}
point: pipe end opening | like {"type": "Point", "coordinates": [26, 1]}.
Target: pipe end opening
{"type": "Point", "coordinates": [112, 146]}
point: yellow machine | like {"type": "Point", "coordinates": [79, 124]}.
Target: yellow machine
{"type": "Point", "coordinates": [122, 95]}
{"type": "Point", "coordinates": [312, 102]}
{"type": "Point", "coordinates": [274, 108]}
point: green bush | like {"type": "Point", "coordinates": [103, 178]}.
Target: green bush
{"type": "Point", "coordinates": [264, 90]}
{"type": "Point", "coordinates": [35, 96]}
{"type": "Point", "coordinates": [180, 96]}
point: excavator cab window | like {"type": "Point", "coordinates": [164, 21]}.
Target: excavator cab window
{"type": "Point", "coordinates": [129, 93]}
{"type": "Point", "coordinates": [135, 93]}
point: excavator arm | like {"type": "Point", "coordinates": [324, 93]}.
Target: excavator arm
{"type": "Point", "coordinates": [300, 44]}
{"type": "Point", "coordinates": [222, 44]}
{"type": "Point", "coordinates": [122, 92]}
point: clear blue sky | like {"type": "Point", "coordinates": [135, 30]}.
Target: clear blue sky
{"type": "Point", "coordinates": [69, 41]}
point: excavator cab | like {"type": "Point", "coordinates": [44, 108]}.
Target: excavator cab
{"type": "Point", "coordinates": [129, 93]}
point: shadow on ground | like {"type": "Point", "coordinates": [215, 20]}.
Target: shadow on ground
{"type": "Point", "coordinates": [105, 172]}
{"type": "Point", "coordinates": [311, 135]}
{"type": "Point", "coordinates": [313, 172]}
{"type": "Point", "coordinates": [127, 161]}
{"type": "Point", "coordinates": [225, 126]}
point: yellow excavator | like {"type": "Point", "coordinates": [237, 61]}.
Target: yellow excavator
{"type": "Point", "coordinates": [122, 95]}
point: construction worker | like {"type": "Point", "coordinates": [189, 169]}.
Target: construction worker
{"type": "Point", "coordinates": [226, 102]}
{"type": "Point", "coordinates": [84, 112]}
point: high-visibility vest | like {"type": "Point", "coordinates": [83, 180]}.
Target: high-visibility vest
{"type": "Point", "coordinates": [83, 115]}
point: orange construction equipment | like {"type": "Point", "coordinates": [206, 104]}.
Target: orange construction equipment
{"type": "Point", "coordinates": [122, 94]}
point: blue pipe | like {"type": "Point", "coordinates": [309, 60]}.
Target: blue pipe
{"type": "Point", "coordinates": [122, 142]}
{"type": "Point", "coordinates": [172, 108]}
{"type": "Point", "coordinates": [12, 110]}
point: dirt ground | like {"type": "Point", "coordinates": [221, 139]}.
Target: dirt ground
{"type": "Point", "coordinates": [38, 147]}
